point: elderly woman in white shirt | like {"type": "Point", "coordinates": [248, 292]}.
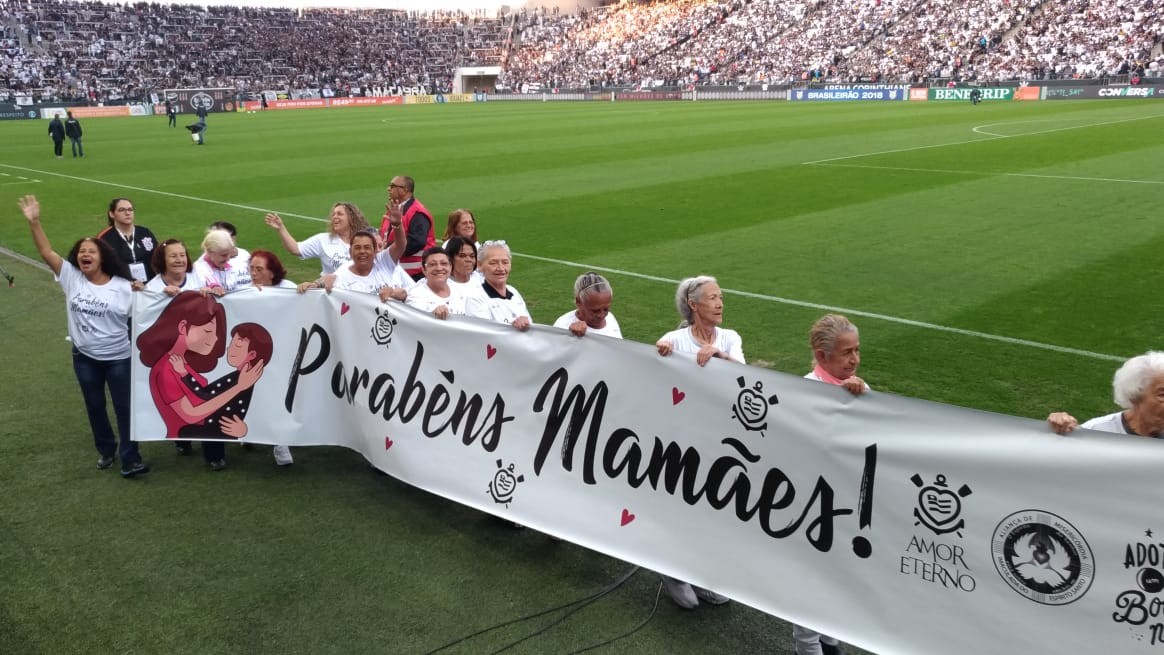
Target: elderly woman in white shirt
{"type": "Point", "coordinates": [463, 257]}
{"type": "Point", "coordinates": [495, 300]}
{"type": "Point", "coordinates": [434, 293]}
{"type": "Point", "coordinates": [592, 298]}
{"type": "Point", "coordinates": [700, 304]}
{"type": "Point", "coordinates": [1138, 389]}
{"type": "Point", "coordinates": [369, 272]}
{"type": "Point", "coordinates": [214, 268]}
{"type": "Point", "coordinates": [171, 261]}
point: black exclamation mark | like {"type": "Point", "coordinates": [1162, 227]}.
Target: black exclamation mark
{"type": "Point", "coordinates": [861, 545]}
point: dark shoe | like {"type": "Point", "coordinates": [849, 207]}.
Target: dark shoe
{"type": "Point", "coordinates": [104, 462]}
{"type": "Point", "coordinates": [135, 470]}
{"type": "Point", "coordinates": [831, 649]}
{"type": "Point", "coordinates": [184, 449]}
{"type": "Point", "coordinates": [218, 465]}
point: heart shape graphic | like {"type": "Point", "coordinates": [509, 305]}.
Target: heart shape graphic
{"type": "Point", "coordinates": [627, 517]}
{"type": "Point", "coordinates": [490, 351]}
{"type": "Point", "coordinates": [940, 506]}
{"type": "Point", "coordinates": [344, 308]}
{"type": "Point", "coordinates": [677, 396]}
{"type": "Point", "coordinates": [388, 442]}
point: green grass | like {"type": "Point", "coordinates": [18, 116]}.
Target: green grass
{"type": "Point", "coordinates": [330, 557]}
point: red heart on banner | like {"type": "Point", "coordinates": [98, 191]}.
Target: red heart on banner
{"type": "Point", "coordinates": [490, 351]}
{"type": "Point", "coordinates": [388, 442]}
{"type": "Point", "coordinates": [344, 308]}
{"type": "Point", "coordinates": [677, 396]}
{"type": "Point", "coordinates": [627, 517]}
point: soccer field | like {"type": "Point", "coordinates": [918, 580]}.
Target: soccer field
{"type": "Point", "coordinates": [999, 257]}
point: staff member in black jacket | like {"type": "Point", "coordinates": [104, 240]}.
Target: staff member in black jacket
{"type": "Point", "coordinates": [73, 131]}
{"type": "Point", "coordinates": [57, 132]}
{"type": "Point", "coordinates": [133, 243]}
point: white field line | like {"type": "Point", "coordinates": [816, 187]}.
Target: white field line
{"type": "Point", "coordinates": [641, 276]}
{"type": "Point", "coordinates": [994, 174]}
{"type": "Point", "coordinates": [989, 137]}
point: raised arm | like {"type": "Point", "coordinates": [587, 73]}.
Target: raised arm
{"type": "Point", "coordinates": [399, 239]}
{"type": "Point", "coordinates": [31, 208]}
{"type": "Point", "coordinates": [274, 221]}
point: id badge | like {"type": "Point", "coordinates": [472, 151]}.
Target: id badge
{"type": "Point", "coordinates": [137, 271]}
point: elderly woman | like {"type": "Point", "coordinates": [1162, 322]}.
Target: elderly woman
{"type": "Point", "coordinates": [214, 269]}
{"type": "Point", "coordinates": [700, 304]}
{"type": "Point", "coordinates": [332, 248]}
{"type": "Point", "coordinates": [98, 297]}
{"type": "Point", "coordinates": [592, 297]}
{"type": "Point", "coordinates": [267, 271]}
{"type": "Point", "coordinates": [495, 300]}
{"type": "Point", "coordinates": [461, 224]}
{"type": "Point", "coordinates": [463, 257]}
{"type": "Point", "coordinates": [171, 260]}
{"type": "Point", "coordinates": [369, 272]}
{"type": "Point", "coordinates": [434, 293]}
{"type": "Point", "coordinates": [836, 354]}
{"type": "Point", "coordinates": [1138, 388]}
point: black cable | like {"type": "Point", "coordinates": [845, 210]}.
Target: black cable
{"type": "Point", "coordinates": [658, 594]}
{"type": "Point", "coordinates": [585, 599]}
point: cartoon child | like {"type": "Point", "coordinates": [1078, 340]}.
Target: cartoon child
{"type": "Point", "coordinates": [250, 343]}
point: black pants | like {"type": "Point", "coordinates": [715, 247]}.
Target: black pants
{"type": "Point", "coordinates": [58, 147]}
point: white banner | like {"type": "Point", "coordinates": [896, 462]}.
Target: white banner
{"type": "Point", "coordinates": [895, 524]}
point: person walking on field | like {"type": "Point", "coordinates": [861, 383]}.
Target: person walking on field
{"type": "Point", "coordinates": [57, 133]}
{"type": "Point", "coordinates": [73, 131]}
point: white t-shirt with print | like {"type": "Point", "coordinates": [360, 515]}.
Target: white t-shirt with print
{"type": "Point", "coordinates": [331, 251]}
{"type": "Point", "coordinates": [611, 329]}
{"type": "Point", "coordinates": [97, 314]}
{"type": "Point", "coordinates": [728, 341]}
{"type": "Point", "coordinates": [422, 297]}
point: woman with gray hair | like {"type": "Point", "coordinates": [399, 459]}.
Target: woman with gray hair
{"type": "Point", "coordinates": [700, 304]}
{"type": "Point", "coordinates": [836, 353]}
{"type": "Point", "coordinates": [213, 269]}
{"type": "Point", "coordinates": [1138, 388]}
{"type": "Point", "coordinates": [495, 300]}
{"type": "Point", "coordinates": [592, 297]}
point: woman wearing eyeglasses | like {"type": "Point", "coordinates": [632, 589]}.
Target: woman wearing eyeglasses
{"type": "Point", "coordinates": [134, 244]}
{"type": "Point", "coordinates": [700, 304]}
{"type": "Point", "coordinates": [434, 293]}
{"type": "Point", "coordinates": [495, 300]}
{"type": "Point", "coordinates": [461, 224]}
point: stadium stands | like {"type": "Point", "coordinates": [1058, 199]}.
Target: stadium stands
{"type": "Point", "coordinates": [105, 52]}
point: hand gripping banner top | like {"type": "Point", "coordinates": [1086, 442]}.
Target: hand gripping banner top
{"type": "Point", "coordinates": [895, 524]}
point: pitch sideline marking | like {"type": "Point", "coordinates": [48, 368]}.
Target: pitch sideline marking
{"type": "Point", "coordinates": [994, 174]}
{"type": "Point", "coordinates": [641, 276]}
{"type": "Point", "coordinates": [988, 138]}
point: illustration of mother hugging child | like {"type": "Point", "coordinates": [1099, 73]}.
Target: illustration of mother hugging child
{"type": "Point", "coordinates": [187, 340]}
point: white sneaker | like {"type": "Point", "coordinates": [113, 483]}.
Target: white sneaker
{"type": "Point", "coordinates": [283, 456]}
{"type": "Point", "coordinates": [681, 593]}
{"type": "Point", "coordinates": [709, 596]}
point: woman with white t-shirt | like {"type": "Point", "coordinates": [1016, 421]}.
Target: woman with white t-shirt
{"type": "Point", "coordinates": [434, 293]}
{"type": "Point", "coordinates": [171, 261]}
{"type": "Point", "coordinates": [494, 299]}
{"type": "Point", "coordinates": [332, 248]}
{"type": "Point", "coordinates": [592, 298]}
{"type": "Point", "coordinates": [463, 258]}
{"type": "Point", "coordinates": [700, 304]}
{"type": "Point", "coordinates": [1138, 388]}
{"type": "Point", "coordinates": [214, 269]}
{"type": "Point", "coordinates": [267, 271]}
{"type": "Point", "coordinates": [369, 272]}
{"type": "Point", "coordinates": [98, 297]}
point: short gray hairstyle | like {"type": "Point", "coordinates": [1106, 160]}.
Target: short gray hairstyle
{"type": "Point", "coordinates": [591, 282]}
{"type": "Point", "coordinates": [493, 244]}
{"type": "Point", "coordinates": [690, 289]}
{"type": "Point", "coordinates": [824, 333]}
{"type": "Point", "coordinates": [1132, 379]}
{"type": "Point", "coordinates": [217, 240]}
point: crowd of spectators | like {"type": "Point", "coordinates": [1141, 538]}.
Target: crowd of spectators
{"type": "Point", "coordinates": [70, 50]}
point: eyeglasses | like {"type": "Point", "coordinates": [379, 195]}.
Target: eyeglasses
{"type": "Point", "coordinates": [124, 209]}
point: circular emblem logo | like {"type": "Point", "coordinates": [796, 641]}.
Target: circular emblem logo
{"type": "Point", "coordinates": [383, 327]}
{"type": "Point", "coordinates": [202, 101]}
{"type": "Point", "coordinates": [751, 407]}
{"type": "Point", "coordinates": [1043, 557]}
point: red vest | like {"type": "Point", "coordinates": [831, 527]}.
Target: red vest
{"type": "Point", "coordinates": [411, 263]}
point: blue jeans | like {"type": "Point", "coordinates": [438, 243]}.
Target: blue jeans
{"type": "Point", "coordinates": [75, 142]}
{"type": "Point", "coordinates": [93, 375]}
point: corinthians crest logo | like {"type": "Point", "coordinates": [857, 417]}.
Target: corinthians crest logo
{"type": "Point", "coordinates": [1043, 557]}
{"type": "Point", "coordinates": [939, 508]}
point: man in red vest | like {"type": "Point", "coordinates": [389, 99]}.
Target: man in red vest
{"type": "Point", "coordinates": [417, 224]}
